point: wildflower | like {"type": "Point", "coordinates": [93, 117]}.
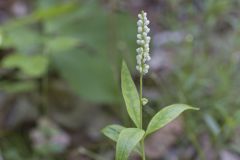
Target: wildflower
{"type": "Point", "coordinates": [143, 41]}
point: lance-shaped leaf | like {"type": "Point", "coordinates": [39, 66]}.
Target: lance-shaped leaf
{"type": "Point", "coordinates": [130, 95]}
{"type": "Point", "coordinates": [112, 131]}
{"type": "Point", "coordinates": [127, 141]}
{"type": "Point", "coordinates": [166, 115]}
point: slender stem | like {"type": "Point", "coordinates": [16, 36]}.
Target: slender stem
{"type": "Point", "coordinates": [143, 149]}
{"type": "Point", "coordinates": [141, 114]}
{"type": "Point", "coordinates": [140, 98]}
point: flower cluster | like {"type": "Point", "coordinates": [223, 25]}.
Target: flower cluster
{"type": "Point", "coordinates": [143, 41]}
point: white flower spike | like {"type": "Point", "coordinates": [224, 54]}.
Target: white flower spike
{"type": "Point", "coordinates": [143, 41]}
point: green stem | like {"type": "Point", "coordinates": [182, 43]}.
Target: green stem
{"type": "Point", "coordinates": [141, 111]}
{"type": "Point", "coordinates": [140, 98]}
{"type": "Point", "coordinates": [143, 148]}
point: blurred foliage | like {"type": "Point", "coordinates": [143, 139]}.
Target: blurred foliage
{"type": "Point", "coordinates": [78, 47]}
{"type": "Point", "coordinates": [206, 69]}
{"type": "Point", "coordinates": [83, 41]}
{"type": "Point", "coordinates": [31, 66]}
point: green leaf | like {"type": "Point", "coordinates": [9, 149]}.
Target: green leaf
{"type": "Point", "coordinates": [165, 116]}
{"type": "Point", "coordinates": [113, 131]}
{"type": "Point", "coordinates": [127, 141]}
{"type": "Point", "coordinates": [32, 66]}
{"type": "Point", "coordinates": [130, 95]}
{"type": "Point", "coordinates": [89, 75]}
{"type": "Point", "coordinates": [25, 40]}
{"type": "Point", "coordinates": [61, 44]}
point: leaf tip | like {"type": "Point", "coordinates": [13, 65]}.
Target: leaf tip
{"type": "Point", "coordinates": [196, 109]}
{"type": "Point", "coordinates": [124, 63]}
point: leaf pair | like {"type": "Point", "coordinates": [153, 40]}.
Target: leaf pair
{"type": "Point", "coordinates": [128, 138]}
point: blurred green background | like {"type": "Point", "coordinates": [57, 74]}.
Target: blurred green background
{"type": "Point", "coordinates": [59, 77]}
